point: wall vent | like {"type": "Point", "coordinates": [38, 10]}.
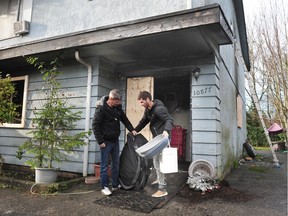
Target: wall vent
{"type": "Point", "coordinates": [21, 27]}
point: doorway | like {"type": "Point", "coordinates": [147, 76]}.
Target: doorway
{"type": "Point", "coordinates": [173, 91]}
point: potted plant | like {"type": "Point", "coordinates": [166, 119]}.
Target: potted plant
{"type": "Point", "coordinates": [50, 140]}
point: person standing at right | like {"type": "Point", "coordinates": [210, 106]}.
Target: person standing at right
{"type": "Point", "coordinates": [161, 122]}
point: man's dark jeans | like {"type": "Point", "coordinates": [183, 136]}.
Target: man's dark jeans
{"type": "Point", "coordinates": [111, 148]}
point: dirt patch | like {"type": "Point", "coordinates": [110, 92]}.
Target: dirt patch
{"type": "Point", "coordinates": [25, 173]}
{"type": "Point", "coordinates": [18, 172]}
{"type": "Point", "coordinates": [224, 192]}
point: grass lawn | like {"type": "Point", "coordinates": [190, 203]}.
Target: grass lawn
{"type": "Point", "coordinates": [262, 148]}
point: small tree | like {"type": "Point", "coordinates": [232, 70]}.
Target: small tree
{"type": "Point", "coordinates": [51, 124]}
{"type": "Point", "coordinates": [254, 127]}
{"type": "Point", "coordinates": [268, 42]}
{"type": "Point", "coordinates": [8, 110]}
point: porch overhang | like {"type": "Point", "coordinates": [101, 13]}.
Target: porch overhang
{"type": "Point", "coordinates": [170, 39]}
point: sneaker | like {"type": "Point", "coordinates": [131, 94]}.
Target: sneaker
{"type": "Point", "coordinates": [105, 191]}
{"type": "Point", "coordinates": [155, 182]}
{"type": "Point", "coordinates": [116, 188]}
{"type": "Point", "coordinates": [160, 193]}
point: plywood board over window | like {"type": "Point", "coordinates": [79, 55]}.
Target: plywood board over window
{"type": "Point", "coordinates": [134, 110]}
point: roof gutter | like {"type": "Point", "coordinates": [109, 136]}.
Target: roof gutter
{"type": "Point", "coordinates": [88, 107]}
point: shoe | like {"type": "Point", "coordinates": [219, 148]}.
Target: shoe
{"type": "Point", "coordinates": [160, 193]}
{"type": "Point", "coordinates": [116, 188]}
{"type": "Point", "coordinates": [155, 182]}
{"type": "Point", "coordinates": [105, 191]}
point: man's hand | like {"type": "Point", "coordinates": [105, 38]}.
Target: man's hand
{"type": "Point", "coordinates": [165, 134]}
{"type": "Point", "coordinates": [102, 145]}
{"type": "Point", "coordinates": [134, 132]}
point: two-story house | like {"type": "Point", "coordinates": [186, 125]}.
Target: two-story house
{"type": "Point", "coordinates": [191, 54]}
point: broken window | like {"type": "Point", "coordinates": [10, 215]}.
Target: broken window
{"type": "Point", "coordinates": [21, 88]}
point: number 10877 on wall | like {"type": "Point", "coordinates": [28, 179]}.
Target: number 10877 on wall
{"type": "Point", "coordinates": [202, 91]}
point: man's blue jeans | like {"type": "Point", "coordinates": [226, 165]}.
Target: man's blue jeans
{"type": "Point", "coordinates": [111, 148]}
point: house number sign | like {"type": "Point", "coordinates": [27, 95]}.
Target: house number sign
{"type": "Point", "coordinates": [202, 91]}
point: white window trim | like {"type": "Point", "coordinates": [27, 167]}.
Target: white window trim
{"type": "Point", "coordinates": [24, 103]}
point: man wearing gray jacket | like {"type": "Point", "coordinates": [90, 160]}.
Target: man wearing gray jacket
{"type": "Point", "coordinates": [161, 122]}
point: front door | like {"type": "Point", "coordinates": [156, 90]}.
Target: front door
{"type": "Point", "coordinates": [134, 110]}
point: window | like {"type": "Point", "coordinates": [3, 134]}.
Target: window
{"type": "Point", "coordinates": [21, 87]}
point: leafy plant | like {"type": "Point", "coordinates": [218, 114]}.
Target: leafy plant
{"type": "Point", "coordinates": [50, 139]}
{"type": "Point", "coordinates": [8, 109]}
{"type": "Point", "coordinates": [254, 128]}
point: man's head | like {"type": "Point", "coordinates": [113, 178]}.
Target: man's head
{"type": "Point", "coordinates": [145, 99]}
{"type": "Point", "coordinates": [144, 95]}
{"type": "Point", "coordinates": [115, 94]}
{"type": "Point", "coordinates": [114, 97]}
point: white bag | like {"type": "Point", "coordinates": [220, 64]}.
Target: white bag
{"type": "Point", "coordinates": [169, 160]}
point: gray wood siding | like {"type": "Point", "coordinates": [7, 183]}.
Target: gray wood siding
{"type": "Point", "coordinates": [73, 82]}
{"type": "Point", "coordinates": [232, 136]}
{"type": "Point", "coordinates": [103, 81]}
{"type": "Point", "coordinates": [206, 125]}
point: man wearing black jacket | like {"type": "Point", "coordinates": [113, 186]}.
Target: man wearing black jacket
{"type": "Point", "coordinates": [106, 128]}
{"type": "Point", "coordinates": [161, 122]}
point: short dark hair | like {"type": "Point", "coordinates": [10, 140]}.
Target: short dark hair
{"type": "Point", "coordinates": [144, 95]}
{"type": "Point", "coordinates": [115, 94]}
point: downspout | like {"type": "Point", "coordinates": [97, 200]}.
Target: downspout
{"type": "Point", "coordinates": [87, 117]}
{"type": "Point", "coordinates": [18, 10]}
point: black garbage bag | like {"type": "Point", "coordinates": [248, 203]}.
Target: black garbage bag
{"type": "Point", "coordinates": [134, 170]}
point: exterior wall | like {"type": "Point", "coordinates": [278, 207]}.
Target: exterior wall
{"type": "Point", "coordinates": [56, 18]}
{"type": "Point", "coordinates": [104, 79]}
{"type": "Point", "coordinates": [228, 112]}
{"type": "Point", "coordinates": [206, 125]}
{"type": "Point", "coordinates": [59, 18]}
{"type": "Point", "coordinates": [232, 79]}
{"type": "Point", "coordinates": [215, 135]}
{"type": "Point", "coordinates": [12, 137]}
{"type": "Point", "coordinates": [73, 82]}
